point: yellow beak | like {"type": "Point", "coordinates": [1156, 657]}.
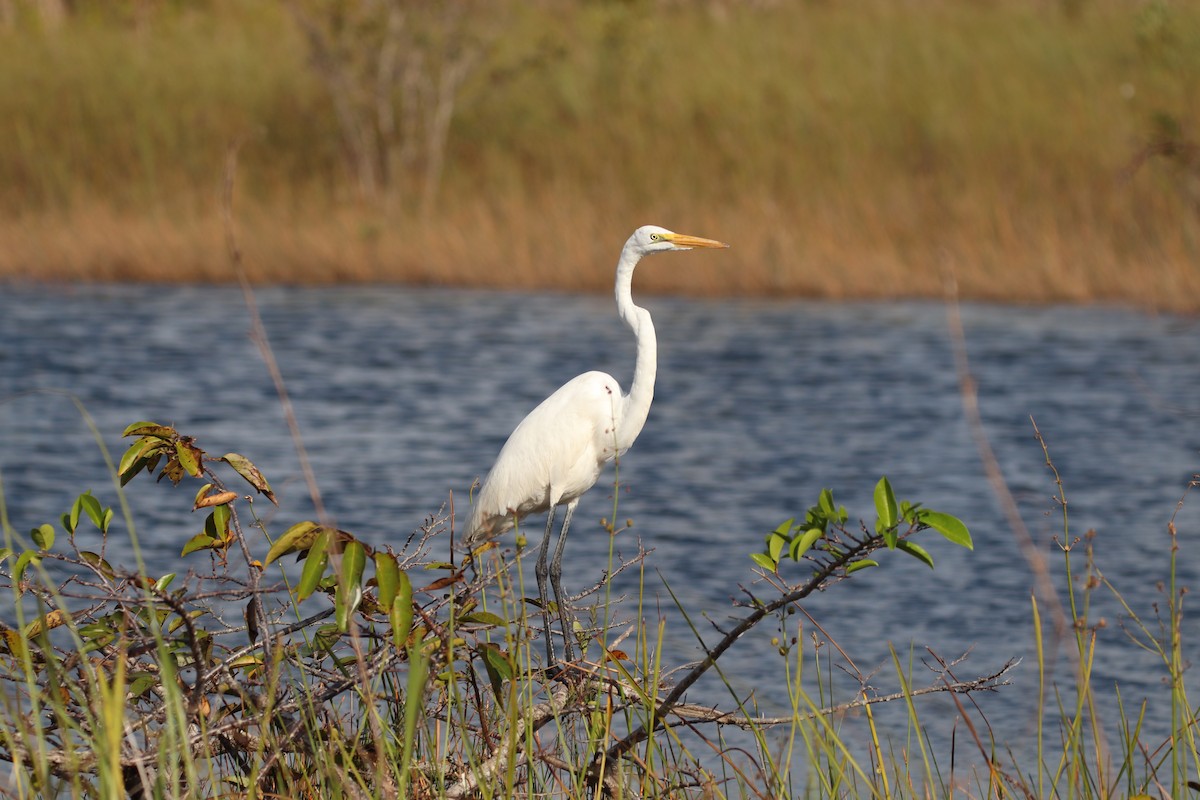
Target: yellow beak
{"type": "Point", "coordinates": [684, 240]}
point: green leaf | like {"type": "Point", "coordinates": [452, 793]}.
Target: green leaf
{"type": "Point", "coordinates": [133, 460]}
{"type": "Point", "coordinates": [217, 523]}
{"type": "Point", "coordinates": [915, 550]}
{"type": "Point", "coordinates": [483, 618]}
{"type": "Point", "coordinates": [314, 567]}
{"type": "Point", "coordinates": [43, 536]}
{"type": "Point", "coordinates": [177, 622]}
{"type": "Point", "coordinates": [26, 558]}
{"type": "Point", "coordinates": [189, 458]}
{"type": "Point", "coordinates": [801, 544]}
{"type": "Point", "coordinates": [775, 546]}
{"type": "Point", "coordinates": [162, 583]}
{"type": "Point", "coordinates": [141, 682]}
{"type": "Point", "coordinates": [764, 561]}
{"type": "Point", "coordinates": [298, 537]}
{"type": "Point", "coordinates": [949, 526]}
{"type": "Point", "coordinates": [201, 541]}
{"type": "Point", "coordinates": [96, 630]}
{"type": "Point", "coordinates": [349, 595]}
{"type": "Point", "coordinates": [857, 565]}
{"type": "Point", "coordinates": [90, 506]}
{"type": "Point", "coordinates": [885, 504]}
{"type": "Point", "coordinates": [387, 577]}
{"type": "Point", "coordinates": [243, 466]}
{"type": "Point", "coordinates": [785, 528]}
{"type": "Point", "coordinates": [499, 666]}
{"type": "Point", "coordinates": [401, 618]}
{"type": "Point", "coordinates": [825, 502]}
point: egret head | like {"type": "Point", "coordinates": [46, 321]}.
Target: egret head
{"type": "Point", "coordinates": [653, 239]}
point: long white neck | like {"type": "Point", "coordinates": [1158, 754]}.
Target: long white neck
{"type": "Point", "coordinates": [636, 404]}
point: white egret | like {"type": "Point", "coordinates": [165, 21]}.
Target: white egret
{"type": "Point", "coordinates": [557, 452]}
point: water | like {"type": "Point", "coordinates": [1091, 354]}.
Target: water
{"type": "Point", "coordinates": [405, 395]}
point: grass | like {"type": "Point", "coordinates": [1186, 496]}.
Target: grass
{"type": "Point", "coordinates": [118, 681]}
{"type": "Point", "coordinates": [860, 150]}
{"type": "Point", "coordinates": [403, 673]}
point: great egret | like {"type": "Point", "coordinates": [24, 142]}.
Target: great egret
{"type": "Point", "coordinates": [557, 452]}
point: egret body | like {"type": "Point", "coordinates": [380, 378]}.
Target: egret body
{"type": "Point", "coordinates": [558, 451]}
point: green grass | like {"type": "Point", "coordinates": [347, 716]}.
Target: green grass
{"type": "Point", "coordinates": [862, 149]}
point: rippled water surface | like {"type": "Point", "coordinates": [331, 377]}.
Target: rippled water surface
{"type": "Point", "coordinates": [405, 395]}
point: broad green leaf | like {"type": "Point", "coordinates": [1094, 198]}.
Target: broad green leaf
{"type": "Point", "coordinates": [93, 509]}
{"type": "Point", "coordinates": [314, 567]}
{"type": "Point", "coordinates": [354, 562]}
{"type": "Point", "coordinates": [949, 526]}
{"type": "Point", "coordinates": [96, 630]}
{"type": "Point", "coordinates": [141, 682]}
{"type": "Point", "coordinates": [177, 622]}
{"type": "Point", "coordinates": [482, 618]}
{"type": "Point", "coordinates": [785, 528]}
{"type": "Point", "coordinates": [915, 550]}
{"type": "Point", "coordinates": [90, 506]}
{"type": "Point", "coordinates": [499, 660]}
{"type": "Point", "coordinates": [326, 637]}
{"type": "Point", "coordinates": [134, 459]}
{"type": "Point", "coordinates": [243, 466]}
{"type": "Point", "coordinates": [401, 618]}
{"type": "Point", "coordinates": [349, 595]}
{"type": "Point", "coordinates": [43, 536]}
{"type": "Point", "coordinates": [802, 543]}
{"type": "Point", "coordinates": [189, 458]}
{"type": "Point", "coordinates": [387, 577]}
{"type": "Point", "coordinates": [162, 583]}
{"type": "Point", "coordinates": [26, 558]}
{"type": "Point", "coordinates": [404, 590]}
{"type": "Point", "coordinates": [298, 537]}
{"type": "Point", "coordinates": [106, 519]}
{"type": "Point", "coordinates": [885, 503]}
{"type": "Point", "coordinates": [217, 523]}
{"type": "Point", "coordinates": [775, 546]}
{"type": "Point", "coordinates": [826, 504]}
{"type": "Point", "coordinates": [201, 541]}
{"type": "Point", "coordinates": [248, 661]}
{"type": "Point", "coordinates": [764, 561]}
{"type": "Point", "coordinates": [200, 495]}
{"type": "Point", "coordinates": [857, 565]}
{"type": "Point", "coordinates": [499, 666]}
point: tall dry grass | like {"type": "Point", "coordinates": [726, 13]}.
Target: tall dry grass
{"type": "Point", "coordinates": [846, 150]}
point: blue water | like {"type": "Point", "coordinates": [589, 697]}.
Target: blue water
{"type": "Point", "coordinates": [405, 395]}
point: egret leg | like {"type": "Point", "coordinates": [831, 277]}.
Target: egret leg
{"type": "Point", "coordinates": [541, 571]}
{"type": "Point", "coordinates": [566, 617]}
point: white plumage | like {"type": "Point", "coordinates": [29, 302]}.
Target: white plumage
{"type": "Point", "coordinates": [558, 451]}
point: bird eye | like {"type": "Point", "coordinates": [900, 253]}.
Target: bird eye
{"type": "Point", "coordinates": [654, 237]}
